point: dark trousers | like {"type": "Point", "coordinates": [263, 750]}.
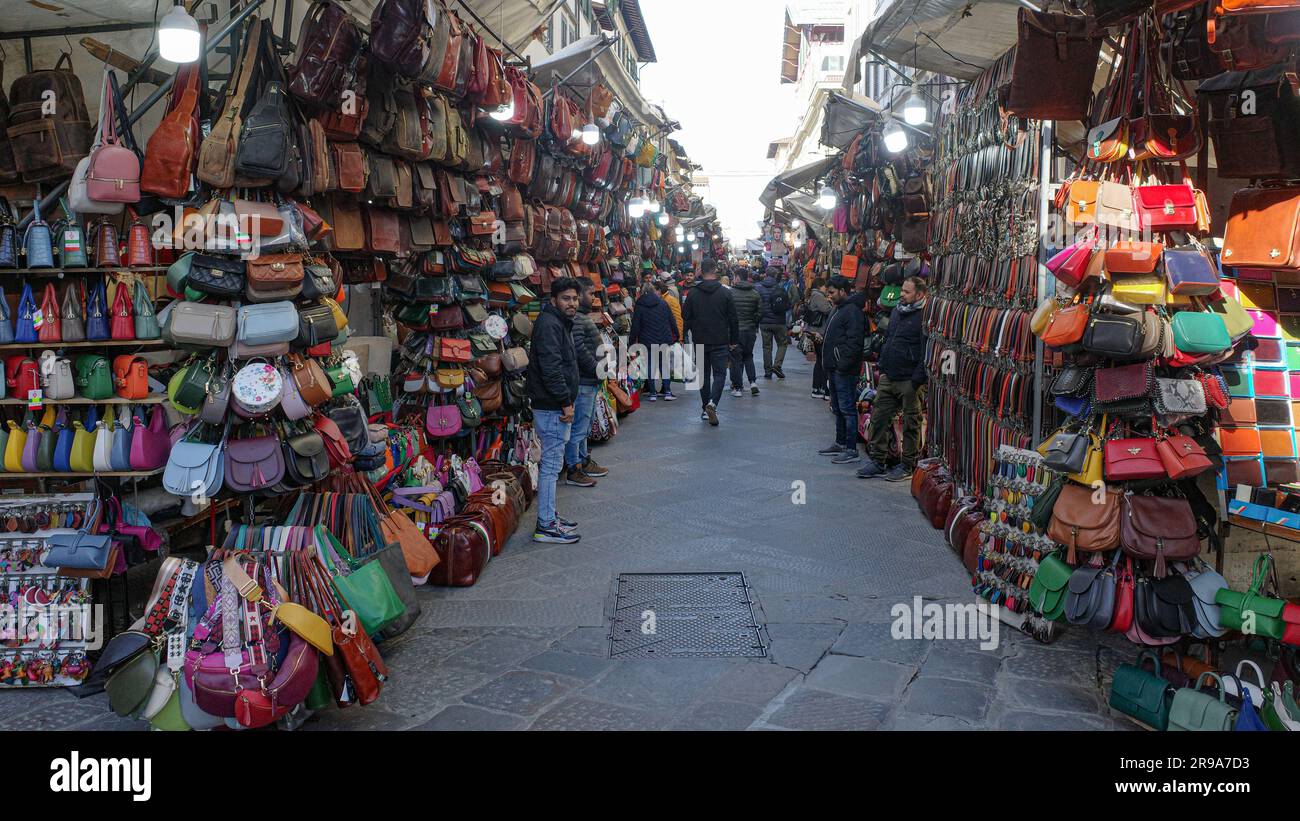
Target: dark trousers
{"type": "Point", "coordinates": [713, 373]}
{"type": "Point", "coordinates": [820, 382]}
{"type": "Point", "coordinates": [893, 398]}
{"type": "Point", "coordinates": [742, 359]}
{"type": "Point", "coordinates": [844, 402]}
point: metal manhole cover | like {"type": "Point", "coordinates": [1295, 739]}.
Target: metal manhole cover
{"type": "Point", "coordinates": [684, 615]}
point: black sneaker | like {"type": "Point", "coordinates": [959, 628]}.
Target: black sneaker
{"type": "Point", "coordinates": [831, 450]}
{"type": "Point", "coordinates": [780, 374]}
{"type": "Point", "coordinates": [552, 534]}
{"type": "Point", "coordinates": [767, 375]}
{"type": "Point", "coordinates": [711, 413]}
{"type": "Point", "coordinates": [846, 456]}
{"type": "Point", "coordinates": [704, 416]}
{"type": "Point", "coordinates": [898, 473]}
{"type": "Point", "coordinates": [753, 390]}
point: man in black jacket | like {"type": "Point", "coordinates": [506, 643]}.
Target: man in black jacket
{"type": "Point", "coordinates": [553, 390]}
{"type": "Point", "coordinates": [581, 470]}
{"type": "Point", "coordinates": [902, 372]}
{"type": "Point", "coordinates": [749, 310]}
{"type": "Point", "coordinates": [776, 303]}
{"type": "Point", "coordinates": [710, 316]}
{"type": "Point", "coordinates": [842, 361]}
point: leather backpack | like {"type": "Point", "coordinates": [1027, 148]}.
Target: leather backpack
{"type": "Point", "coordinates": [328, 42]}
{"type": "Point", "coordinates": [381, 115]}
{"type": "Point", "coordinates": [268, 135]}
{"type": "Point", "coordinates": [345, 123]}
{"type": "Point", "coordinates": [48, 147]}
{"type": "Point", "coordinates": [216, 164]}
{"type": "Point", "coordinates": [406, 138]}
{"type": "Point", "coordinates": [169, 154]}
{"type": "Point", "coordinates": [400, 32]}
{"type": "Point", "coordinates": [1056, 60]}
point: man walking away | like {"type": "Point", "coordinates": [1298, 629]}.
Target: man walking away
{"type": "Point", "coordinates": [816, 313]}
{"type": "Point", "coordinates": [653, 327]}
{"type": "Point", "coordinates": [776, 303]}
{"type": "Point", "coordinates": [902, 372]}
{"type": "Point", "coordinates": [749, 312]}
{"type": "Point", "coordinates": [842, 360]}
{"type": "Point", "coordinates": [710, 316]}
{"type": "Point", "coordinates": [581, 469]}
{"type": "Point", "coordinates": [553, 389]}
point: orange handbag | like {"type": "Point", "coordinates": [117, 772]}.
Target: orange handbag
{"type": "Point", "coordinates": [1240, 412]}
{"type": "Point", "coordinates": [451, 349]}
{"type": "Point", "coordinates": [1067, 325]}
{"type": "Point", "coordinates": [1081, 209]}
{"type": "Point", "coordinates": [1133, 257]}
{"type": "Point", "coordinates": [1239, 441]}
{"type": "Point", "coordinates": [131, 376]}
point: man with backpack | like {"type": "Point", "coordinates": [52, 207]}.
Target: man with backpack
{"type": "Point", "coordinates": [772, 325]}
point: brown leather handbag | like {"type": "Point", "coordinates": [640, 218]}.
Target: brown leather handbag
{"type": "Point", "coordinates": [1263, 229]}
{"type": "Point", "coordinates": [383, 231]}
{"type": "Point", "coordinates": [1159, 528]}
{"type": "Point", "coordinates": [310, 379]}
{"type": "Point", "coordinates": [1056, 60]}
{"type": "Point", "coordinates": [1081, 525]}
{"type": "Point", "coordinates": [501, 516]}
{"type": "Point", "coordinates": [351, 165]}
{"type": "Point", "coordinates": [489, 395]}
{"type": "Point", "coordinates": [275, 272]}
{"type": "Point", "coordinates": [349, 228]}
{"type": "Point", "coordinates": [169, 154]}
{"type": "Point", "coordinates": [217, 153]}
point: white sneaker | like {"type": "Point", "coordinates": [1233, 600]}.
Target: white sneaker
{"type": "Point", "coordinates": [736, 392]}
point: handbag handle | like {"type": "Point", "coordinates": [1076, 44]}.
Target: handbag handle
{"type": "Point", "coordinates": [1218, 679]}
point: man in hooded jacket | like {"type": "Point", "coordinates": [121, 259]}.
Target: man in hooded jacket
{"type": "Point", "coordinates": [653, 326]}
{"type": "Point", "coordinates": [710, 317]}
{"type": "Point", "coordinates": [749, 312]}
{"type": "Point", "coordinates": [842, 361]}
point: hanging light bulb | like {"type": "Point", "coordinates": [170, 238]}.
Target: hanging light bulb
{"type": "Point", "coordinates": [663, 220]}
{"type": "Point", "coordinates": [681, 249]}
{"type": "Point", "coordinates": [590, 134]}
{"type": "Point", "coordinates": [895, 138]}
{"type": "Point", "coordinates": [796, 223]}
{"type": "Point", "coordinates": [505, 112]}
{"type": "Point", "coordinates": [695, 246]}
{"type": "Point", "coordinates": [178, 36]}
{"type": "Point", "coordinates": [655, 207]}
{"type": "Point", "coordinates": [915, 111]}
{"type": "Point", "coordinates": [827, 199]}
{"type": "Point", "coordinates": [636, 208]}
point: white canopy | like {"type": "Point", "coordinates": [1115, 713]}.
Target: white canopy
{"type": "Point", "coordinates": [605, 68]}
{"type": "Point", "coordinates": [786, 184]}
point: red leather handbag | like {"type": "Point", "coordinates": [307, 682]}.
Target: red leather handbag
{"type": "Point", "coordinates": [139, 248]}
{"type": "Point", "coordinates": [336, 446]}
{"type": "Point", "coordinates": [1122, 620]}
{"type": "Point", "coordinates": [123, 325]}
{"type": "Point", "coordinates": [1165, 207]}
{"type": "Point", "coordinates": [108, 254]}
{"type": "Point", "coordinates": [1133, 458]}
{"type": "Point", "coordinates": [1182, 456]}
{"type": "Point", "coordinates": [51, 329]}
{"type": "Point", "coordinates": [290, 686]}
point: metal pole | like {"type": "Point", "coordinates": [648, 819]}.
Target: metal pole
{"type": "Point", "coordinates": [1044, 283]}
{"type": "Point", "coordinates": [48, 201]}
{"type": "Point", "coordinates": [606, 46]}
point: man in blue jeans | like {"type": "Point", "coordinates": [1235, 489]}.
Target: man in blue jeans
{"type": "Point", "coordinates": [553, 390]}
{"type": "Point", "coordinates": [581, 470]}
{"type": "Point", "coordinates": [842, 360]}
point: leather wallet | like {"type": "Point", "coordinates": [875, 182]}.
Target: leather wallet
{"type": "Point", "coordinates": [1281, 471]}
{"type": "Point", "coordinates": [1277, 443]}
{"type": "Point", "coordinates": [1243, 441]}
{"type": "Point", "coordinates": [1272, 412]}
{"type": "Point", "coordinates": [1257, 295]}
{"type": "Point", "coordinates": [1240, 412]}
{"type": "Point", "coordinates": [1245, 472]}
{"type": "Point", "coordinates": [1271, 383]}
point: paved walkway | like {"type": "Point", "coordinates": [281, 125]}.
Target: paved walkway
{"type": "Point", "coordinates": [527, 647]}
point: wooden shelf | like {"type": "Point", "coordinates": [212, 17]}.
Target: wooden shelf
{"type": "Point", "coordinates": [108, 343]}
{"type": "Point", "coordinates": [120, 474]}
{"type": "Point", "coordinates": [156, 399]}
{"type": "Point", "coordinates": [51, 272]}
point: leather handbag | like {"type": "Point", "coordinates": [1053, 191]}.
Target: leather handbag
{"type": "Point", "coordinates": [291, 402]}
{"type": "Point", "coordinates": [1142, 694]}
{"type": "Point", "coordinates": [1081, 525]}
{"type": "Point", "coordinates": [1134, 257]}
{"type": "Point", "coordinates": [113, 172]}
{"type": "Point", "coordinates": [1067, 325]}
{"type": "Point", "coordinates": [268, 324]}
{"type": "Point", "coordinates": [131, 376]}
{"type": "Point", "coordinates": [443, 420]}
{"type": "Point", "coordinates": [94, 377]}
{"type": "Point", "coordinates": [1122, 383]}
{"type": "Point", "coordinates": [1190, 273]}
{"type": "Point", "coordinates": [1196, 710]}
{"type": "Point", "coordinates": [216, 276]}
{"type": "Point", "coordinates": [316, 326]}
{"type": "Point", "coordinates": [122, 325]}
{"type": "Point", "coordinates": [253, 464]}
{"type": "Point", "coordinates": [195, 467]}
{"type": "Point", "coordinates": [1182, 456]}
{"type": "Point", "coordinates": [464, 547]}
{"type": "Point", "coordinates": [1048, 590]}
{"type": "Point", "coordinates": [1256, 141]}
{"type": "Point", "coordinates": [8, 236]}
{"type": "Point", "coordinates": [1165, 207]}
{"type": "Point", "coordinates": [256, 389]}
{"type": "Point", "coordinates": [1071, 264]}
{"type": "Point", "coordinates": [6, 320]}
{"type": "Point", "coordinates": [199, 326]}
{"type": "Point", "coordinates": [1252, 612]}
{"type": "Point", "coordinates": [51, 329]}
{"type": "Point", "coordinates": [170, 152]}
{"type": "Point", "coordinates": [142, 311]}
{"type": "Point", "coordinates": [1198, 332]}
{"type": "Point", "coordinates": [305, 458]}
{"type": "Point", "coordinates": [1131, 459]}
{"type": "Point", "coordinates": [1116, 337]}
{"type": "Point", "coordinates": [365, 589]}
{"type": "Point", "coordinates": [1091, 597]}
{"type": "Point", "coordinates": [150, 444]}
{"type": "Point", "coordinates": [1263, 229]}
{"type": "Point", "coordinates": [310, 380]}
{"type": "Point", "coordinates": [1158, 528]}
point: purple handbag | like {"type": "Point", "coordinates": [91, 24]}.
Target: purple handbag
{"type": "Point", "coordinates": [31, 448]}
{"type": "Point", "coordinates": [150, 444]}
{"type": "Point", "coordinates": [253, 464]}
{"type": "Point", "coordinates": [442, 420]}
{"type": "Point", "coordinates": [1190, 273]}
{"type": "Point", "coordinates": [290, 400]}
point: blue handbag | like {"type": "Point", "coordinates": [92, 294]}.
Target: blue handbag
{"type": "Point", "coordinates": [6, 320]}
{"type": "Point", "coordinates": [8, 236]}
{"type": "Point", "coordinates": [1248, 718]}
{"type": "Point", "coordinates": [97, 329]}
{"type": "Point", "coordinates": [37, 242]}
{"type": "Point", "coordinates": [120, 457]}
{"type": "Point", "coordinates": [25, 328]}
{"type": "Point", "coordinates": [80, 551]}
{"type": "Point", "coordinates": [63, 444]}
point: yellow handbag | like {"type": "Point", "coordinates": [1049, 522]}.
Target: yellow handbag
{"type": "Point", "coordinates": [1092, 468]}
{"type": "Point", "coordinates": [82, 458]}
{"type": "Point", "coordinates": [646, 156]}
{"type": "Point", "coordinates": [1140, 289]}
{"type": "Point", "coordinates": [1081, 209]}
{"type": "Point", "coordinates": [1043, 315]}
{"type": "Point", "coordinates": [340, 318]}
{"type": "Point", "coordinates": [14, 447]}
{"type": "Point", "coordinates": [450, 378]}
{"type": "Point", "coordinates": [1235, 318]}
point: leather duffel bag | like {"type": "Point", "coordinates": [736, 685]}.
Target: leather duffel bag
{"type": "Point", "coordinates": [924, 468]}
{"type": "Point", "coordinates": [464, 546]}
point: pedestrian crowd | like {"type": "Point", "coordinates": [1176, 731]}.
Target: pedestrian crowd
{"type": "Point", "coordinates": [711, 325]}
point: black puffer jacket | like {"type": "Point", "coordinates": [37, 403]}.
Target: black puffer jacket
{"type": "Point", "coordinates": [768, 289]}
{"type": "Point", "coordinates": [749, 305]}
{"type": "Point", "coordinates": [652, 321]}
{"type": "Point", "coordinates": [903, 354]}
{"type": "Point", "coordinates": [710, 315]}
{"type": "Point", "coordinates": [586, 346]}
{"type": "Point", "coordinates": [552, 361]}
{"type": "Point", "coordinates": [842, 339]}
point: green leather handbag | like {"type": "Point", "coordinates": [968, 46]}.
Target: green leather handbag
{"type": "Point", "coordinates": [471, 411]}
{"type": "Point", "coordinates": [1252, 612]}
{"type": "Point", "coordinates": [178, 273]}
{"type": "Point", "coordinates": [188, 387]}
{"type": "Point", "coordinates": [1196, 710]}
{"type": "Point", "coordinates": [1141, 694]}
{"type": "Point", "coordinates": [1048, 589]}
{"type": "Point", "coordinates": [1198, 332]}
{"type": "Point", "coordinates": [341, 378]}
{"type": "Point", "coordinates": [94, 377]}
{"type": "Point", "coordinates": [70, 240]}
{"type": "Point", "coordinates": [365, 590]}
{"type": "Point", "coordinates": [1041, 515]}
{"type": "Point", "coordinates": [146, 320]}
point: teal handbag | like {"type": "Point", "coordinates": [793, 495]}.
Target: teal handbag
{"type": "Point", "coordinates": [365, 590]}
{"type": "Point", "coordinates": [1252, 612]}
{"type": "Point", "coordinates": [1200, 332]}
{"type": "Point", "coordinates": [1047, 590]}
{"type": "Point", "coordinates": [70, 239]}
{"type": "Point", "coordinates": [146, 321]}
{"type": "Point", "coordinates": [1193, 709]}
{"type": "Point", "coordinates": [1140, 694]}
{"type": "Point", "coordinates": [178, 273]}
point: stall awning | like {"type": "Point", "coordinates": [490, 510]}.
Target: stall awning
{"type": "Point", "coordinates": [805, 208]}
{"type": "Point", "coordinates": [605, 68]}
{"type": "Point", "coordinates": [784, 185]}
{"type": "Point", "coordinates": [846, 116]}
{"type": "Point", "coordinates": [971, 35]}
{"type": "Point", "coordinates": [791, 41]}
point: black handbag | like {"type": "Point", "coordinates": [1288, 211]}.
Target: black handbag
{"type": "Point", "coordinates": [353, 424]}
{"type": "Point", "coordinates": [315, 326]}
{"type": "Point", "coordinates": [1066, 451]}
{"type": "Point", "coordinates": [318, 282]}
{"type": "Point", "coordinates": [305, 458]}
{"type": "Point", "coordinates": [267, 136]}
{"type": "Point", "coordinates": [217, 276]}
{"type": "Point", "coordinates": [1073, 381]}
{"type": "Point", "coordinates": [1117, 337]}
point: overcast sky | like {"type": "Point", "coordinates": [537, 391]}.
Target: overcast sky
{"type": "Point", "coordinates": [719, 75]}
